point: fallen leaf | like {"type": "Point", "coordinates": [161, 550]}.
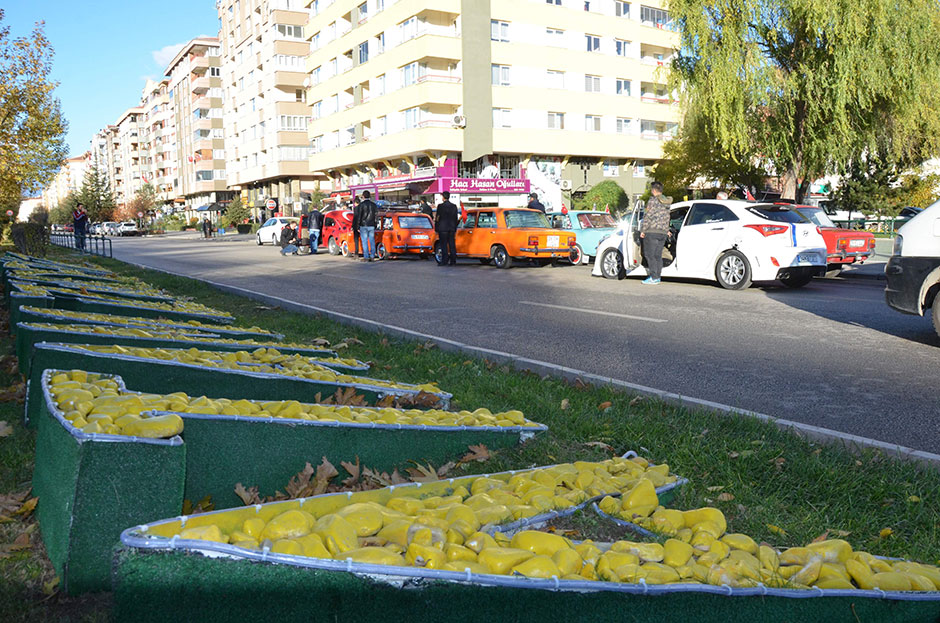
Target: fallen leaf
{"type": "Point", "coordinates": [478, 453]}
{"type": "Point", "coordinates": [565, 403]}
{"type": "Point", "coordinates": [248, 496]}
{"type": "Point", "coordinates": [20, 542]}
{"type": "Point", "coordinates": [12, 501]}
{"type": "Point", "coordinates": [635, 401]}
{"type": "Point", "coordinates": [601, 445]}
{"type": "Point", "coordinates": [5, 429]}
{"type": "Point", "coordinates": [733, 455]}
{"type": "Point", "coordinates": [445, 468]}
{"type": "Point", "coordinates": [914, 499]}
{"type": "Point", "coordinates": [716, 488]}
{"type": "Point", "coordinates": [840, 533]}
{"type": "Point", "coordinates": [340, 346]}
{"type": "Point", "coordinates": [885, 533]}
{"type": "Point", "coordinates": [320, 341]}
{"type": "Point", "coordinates": [858, 463]}
{"type": "Point", "coordinates": [384, 341]}
{"type": "Point", "coordinates": [776, 529]}
{"type": "Point", "coordinates": [325, 473]}
{"type": "Point", "coordinates": [821, 537]}
{"type": "Point", "coordinates": [27, 507]}
{"type": "Point", "coordinates": [354, 473]}
{"type": "Point", "coordinates": [725, 497]}
{"type": "Point", "coordinates": [352, 340]}
{"type": "Point", "coordinates": [49, 587]}
{"type": "Point", "coordinates": [299, 484]}
{"type": "Point", "coordinates": [422, 473]}
{"type": "Point", "coordinates": [605, 405]}
{"type": "Point", "coordinates": [468, 363]}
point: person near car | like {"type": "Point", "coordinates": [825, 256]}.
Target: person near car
{"type": "Point", "coordinates": [368, 215]}
{"type": "Point", "coordinates": [427, 209]}
{"type": "Point", "coordinates": [446, 227]}
{"type": "Point", "coordinates": [79, 225]}
{"type": "Point", "coordinates": [535, 204]}
{"type": "Point", "coordinates": [355, 231]}
{"type": "Point", "coordinates": [315, 223]}
{"type": "Point", "coordinates": [206, 227]}
{"type": "Point", "coordinates": [654, 231]}
{"type": "Point", "coordinates": [288, 239]}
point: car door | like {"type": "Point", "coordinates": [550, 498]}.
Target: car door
{"type": "Point", "coordinates": [630, 245]}
{"type": "Point", "coordinates": [701, 237]}
{"type": "Point", "coordinates": [485, 231]}
{"type": "Point", "coordinates": [464, 236]}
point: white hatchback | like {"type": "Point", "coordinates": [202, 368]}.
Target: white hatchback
{"type": "Point", "coordinates": [731, 242]}
{"type": "Point", "coordinates": [271, 229]}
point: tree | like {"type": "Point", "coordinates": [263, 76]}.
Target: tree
{"type": "Point", "coordinates": [145, 199]}
{"type": "Point", "coordinates": [32, 128]}
{"type": "Point", "coordinates": [62, 213]}
{"type": "Point", "coordinates": [812, 85]}
{"type": "Point", "coordinates": [868, 188]}
{"type": "Point", "coordinates": [96, 194]}
{"type": "Point", "coordinates": [608, 195]}
{"type": "Point", "coordinates": [39, 215]}
{"type": "Point", "coordinates": [918, 190]}
{"type": "Point", "coordinates": [236, 213]}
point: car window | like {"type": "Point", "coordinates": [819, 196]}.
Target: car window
{"type": "Point", "coordinates": [817, 216]}
{"type": "Point", "coordinates": [525, 218]}
{"type": "Point", "coordinates": [328, 222]}
{"type": "Point", "coordinates": [269, 222]}
{"type": "Point", "coordinates": [707, 213]}
{"type": "Point", "coordinates": [414, 222]}
{"type": "Point", "coordinates": [486, 219]}
{"type": "Point", "coordinates": [469, 223]}
{"type": "Point", "coordinates": [677, 216]}
{"type": "Point", "coordinates": [778, 213]}
{"type": "Point", "coordinates": [596, 220]}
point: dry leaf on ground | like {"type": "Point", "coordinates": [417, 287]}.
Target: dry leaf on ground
{"type": "Point", "coordinates": [5, 429]}
{"type": "Point", "coordinates": [478, 453]}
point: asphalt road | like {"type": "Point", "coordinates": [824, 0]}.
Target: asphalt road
{"type": "Point", "coordinates": [831, 354]}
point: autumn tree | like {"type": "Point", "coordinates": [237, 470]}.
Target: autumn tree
{"type": "Point", "coordinates": [96, 194]}
{"type": "Point", "coordinates": [32, 128]}
{"type": "Point", "coordinates": [810, 86]}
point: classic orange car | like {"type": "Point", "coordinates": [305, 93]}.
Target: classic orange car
{"type": "Point", "coordinates": [399, 233]}
{"type": "Point", "coordinates": [502, 235]}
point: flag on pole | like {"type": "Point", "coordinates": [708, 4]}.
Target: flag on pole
{"type": "Point", "coordinates": [463, 212]}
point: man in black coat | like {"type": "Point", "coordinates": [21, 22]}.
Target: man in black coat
{"type": "Point", "coordinates": [315, 225]}
{"type": "Point", "coordinates": [535, 204]}
{"type": "Point", "coordinates": [355, 229]}
{"type": "Point", "coordinates": [368, 217]}
{"type": "Point", "coordinates": [446, 227]}
{"type": "Point", "coordinates": [427, 209]}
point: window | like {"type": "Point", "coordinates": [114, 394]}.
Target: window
{"type": "Point", "coordinates": [592, 123]}
{"type": "Point", "coordinates": [380, 43]}
{"type": "Point", "coordinates": [501, 118]}
{"type": "Point", "coordinates": [525, 218]}
{"type": "Point", "coordinates": [486, 219]}
{"type": "Point", "coordinates": [363, 52]}
{"type": "Point", "coordinates": [293, 123]}
{"type": "Point", "coordinates": [293, 152]}
{"type": "Point", "coordinates": [706, 213]}
{"type": "Point", "coordinates": [252, 102]}
{"type": "Point", "coordinates": [556, 121]}
{"type": "Point", "coordinates": [290, 31]}
{"type": "Point", "coordinates": [290, 62]}
{"type": "Point", "coordinates": [587, 5]}
{"type": "Point", "coordinates": [621, 9]}
{"type": "Point", "coordinates": [204, 176]}
{"type": "Point", "coordinates": [381, 126]}
{"type": "Point", "coordinates": [592, 84]}
{"type": "Point", "coordinates": [623, 86]}
{"type": "Point", "coordinates": [315, 76]}
{"type": "Point", "coordinates": [499, 31]}
{"type": "Point", "coordinates": [500, 75]}
{"type": "Point", "coordinates": [215, 72]}
{"type": "Point", "coordinates": [409, 28]}
{"type": "Point", "coordinates": [623, 125]}
{"type": "Point", "coordinates": [593, 43]}
{"type": "Point", "coordinates": [611, 168]}
{"type": "Point", "coordinates": [411, 118]}
{"type": "Point", "coordinates": [555, 2]}
{"type": "Point", "coordinates": [316, 110]}
{"type": "Point", "coordinates": [379, 5]}
{"type": "Point", "coordinates": [377, 85]}
{"type": "Point", "coordinates": [363, 11]}
{"type": "Point", "coordinates": [409, 74]}
{"type": "Point", "coordinates": [622, 47]}
{"type": "Point", "coordinates": [655, 17]}
{"type": "Point", "coordinates": [555, 79]}
{"type": "Point", "coordinates": [300, 95]}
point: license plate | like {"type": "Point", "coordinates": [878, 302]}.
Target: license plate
{"type": "Point", "coordinates": [857, 243]}
{"type": "Point", "coordinates": [420, 237]}
{"type": "Point", "coordinates": [806, 258]}
{"type": "Point", "coordinates": [552, 242]}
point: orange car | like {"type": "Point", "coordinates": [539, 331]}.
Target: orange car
{"type": "Point", "coordinates": [502, 235]}
{"type": "Point", "coordinates": [399, 233]}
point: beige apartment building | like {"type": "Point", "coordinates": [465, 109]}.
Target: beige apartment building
{"type": "Point", "coordinates": [266, 115]}
{"type": "Point", "coordinates": [195, 140]}
{"type": "Point", "coordinates": [488, 99]}
{"type": "Point", "coordinates": [158, 158]}
{"type": "Point", "coordinates": [68, 179]}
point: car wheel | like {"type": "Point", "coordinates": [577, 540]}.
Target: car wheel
{"type": "Point", "coordinates": [380, 251]}
{"type": "Point", "coordinates": [501, 257]}
{"type": "Point", "coordinates": [438, 253]}
{"type": "Point", "coordinates": [576, 255]}
{"type": "Point", "coordinates": [259, 240]}
{"type": "Point", "coordinates": [797, 281]}
{"type": "Point", "coordinates": [612, 264]}
{"type": "Point", "coordinates": [733, 271]}
{"type": "Point", "coordinates": [345, 249]}
{"type": "Point", "coordinates": [936, 313]}
{"type": "Point", "coordinates": [332, 246]}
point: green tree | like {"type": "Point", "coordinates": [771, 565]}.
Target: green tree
{"type": "Point", "coordinates": [32, 128]}
{"type": "Point", "coordinates": [811, 85]}
{"type": "Point", "coordinates": [918, 190]}
{"type": "Point", "coordinates": [606, 195]}
{"type": "Point", "coordinates": [868, 188]}
{"type": "Point", "coordinates": [236, 212]}
{"type": "Point", "coordinates": [62, 213]}
{"type": "Point", "coordinates": [147, 199]}
{"type": "Point", "coordinates": [96, 194]}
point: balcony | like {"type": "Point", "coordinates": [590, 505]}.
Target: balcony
{"type": "Point", "coordinates": [199, 64]}
{"type": "Point", "coordinates": [201, 101]}
{"type": "Point", "coordinates": [200, 85]}
{"type": "Point", "coordinates": [202, 124]}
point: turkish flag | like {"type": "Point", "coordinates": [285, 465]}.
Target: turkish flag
{"type": "Point", "coordinates": [463, 212]}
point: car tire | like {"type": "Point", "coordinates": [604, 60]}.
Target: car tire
{"type": "Point", "coordinates": [733, 271]}
{"type": "Point", "coordinates": [380, 252]}
{"type": "Point", "coordinates": [501, 257]}
{"type": "Point", "coordinates": [332, 247]}
{"type": "Point", "coordinates": [936, 313]}
{"type": "Point", "coordinates": [797, 281]}
{"type": "Point", "coordinates": [612, 264]}
{"type": "Point", "coordinates": [576, 254]}
{"type": "Point", "coordinates": [259, 240]}
{"type": "Point", "coordinates": [344, 250]}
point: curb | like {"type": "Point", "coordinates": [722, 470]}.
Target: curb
{"type": "Point", "coordinates": [806, 431]}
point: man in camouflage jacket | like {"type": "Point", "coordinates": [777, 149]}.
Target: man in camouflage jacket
{"type": "Point", "coordinates": [654, 231]}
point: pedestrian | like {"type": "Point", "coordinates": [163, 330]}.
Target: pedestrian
{"type": "Point", "coordinates": [446, 227]}
{"type": "Point", "coordinates": [206, 227]}
{"type": "Point", "coordinates": [535, 204]}
{"type": "Point", "coordinates": [355, 231]}
{"type": "Point", "coordinates": [426, 208]}
{"type": "Point", "coordinates": [315, 223]}
{"type": "Point", "coordinates": [288, 238]}
{"type": "Point", "coordinates": [79, 226]}
{"type": "Point", "coordinates": [368, 215]}
{"type": "Point", "coordinates": [653, 231]}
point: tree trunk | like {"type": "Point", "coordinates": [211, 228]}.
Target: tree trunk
{"type": "Point", "coordinates": [790, 183]}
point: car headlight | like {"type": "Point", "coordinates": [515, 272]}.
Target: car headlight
{"type": "Point", "coordinates": [898, 245]}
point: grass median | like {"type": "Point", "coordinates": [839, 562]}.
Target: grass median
{"type": "Point", "coordinates": [771, 484]}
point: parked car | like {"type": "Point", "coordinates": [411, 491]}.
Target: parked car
{"type": "Point", "coordinates": [913, 272]}
{"type": "Point", "coordinates": [270, 231]}
{"type": "Point", "coordinates": [127, 228]}
{"type": "Point", "coordinates": [729, 241]}
{"type": "Point", "coordinates": [109, 228]}
{"type": "Point", "coordinates": [589, 226]}
{"type": "Point", "coordinates": [843, 246]}
{"type": "Point", "coordinates": [504, 235]}
{"type": "Point", "coordinates": [398, 233]}
{"type": "Point", "coordinates": [336, 224]}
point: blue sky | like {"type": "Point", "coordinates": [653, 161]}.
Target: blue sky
{"type": "Point", "coordinates": [106, 49]}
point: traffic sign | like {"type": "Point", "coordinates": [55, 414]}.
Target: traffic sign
{"type": "Point", "coordinates": [140, 214]}
{"type": "Point", "coordinates": [9, 212]}
{"type": "Point", "coordinates": [271, 204]}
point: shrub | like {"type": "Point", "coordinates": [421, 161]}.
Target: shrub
{"type": "Point", "coordinates": [30, 238]}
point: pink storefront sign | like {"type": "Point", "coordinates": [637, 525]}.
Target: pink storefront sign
{"type": "Point", "coordinates": [481, 186]}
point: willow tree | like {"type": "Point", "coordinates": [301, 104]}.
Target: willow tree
{"type": "Point", "coordinates": [809, 86]}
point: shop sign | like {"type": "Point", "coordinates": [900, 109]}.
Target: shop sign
{"type": "Point", "coordinates": [477, 185]}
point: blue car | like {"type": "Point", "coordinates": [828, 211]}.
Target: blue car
{"type": "Point", "coordinates": [590, 226]}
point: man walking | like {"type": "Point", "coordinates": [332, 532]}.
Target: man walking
{"type": "Point", "coordinates": [79, 225]}
{"type": "Point", "coordinates": [446, 227]}
{"type": "Point", "coordinates": [535, 204]}
{"type": "Point", "coordinates": [315, 224]}
{"type": "Point", "coordinates": [653, 231]}
{"type": "Point", "coordinates": [368, 215]}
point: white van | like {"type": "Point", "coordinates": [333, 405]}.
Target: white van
{"type": "Point", "coordinates": [913, 272]}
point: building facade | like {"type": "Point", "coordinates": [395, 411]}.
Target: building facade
{"type": "Point", "coordinates": [68, 179]}
{"type": "Point", "coordinates": [550, 96]}
{"type": "Point", "coordinates": [266, 115]}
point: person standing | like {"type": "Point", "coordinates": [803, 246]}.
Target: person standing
{"type": "Point", "coordinates": [368, 215]}
{"type": "Point", "coordinates": [426, 208]}
{"type": "Point", "coordinates": [206, 227]}
{"type": "Point", "coordinates": [653, 232]}
{"type": "Point", "coordinates": [535, 204]}
{"type": "Point", "coordinates": [446, 227]}
{"type": "Point", "coordinates": [288, 239]}
{"type": "Point", "coordinates": [79, 225]}
{"type": "Point", "coordinates": [355, 230]}
{"type": "Point", "coordinates": [315, 223]}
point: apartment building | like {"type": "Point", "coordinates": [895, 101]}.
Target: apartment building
{"type": "Point", "coordinates": [266, 115]}
{"type": "Point", "coordinates": [194, 138]}
{"type": "Point", "coordinates": [68, 179]}
{"type": "Point", "coordinates": [159, 158]}
{"type": "Point", "coordinates": [104, 148]}
{"type": "Point", "coordinates": [490, 100]}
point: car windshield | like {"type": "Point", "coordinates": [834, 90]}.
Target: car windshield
{"type": "Point", "coordinates": [526, 218]}
{"type": "Point", "coordinates": [596, 220]}
{"type": "Point", "coordinates": [414, 222]}
{"type": "Point", "coordinates": [817, 216]}
{"type": "Point", "coordinates": [779, 213]}
{"type": "Point", "coordinates": [129, 223]}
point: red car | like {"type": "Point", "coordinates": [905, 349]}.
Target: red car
{"type": "Point", "coordinates": [843, 246]}
{"type": "Point", "coordinates": [336, 224]}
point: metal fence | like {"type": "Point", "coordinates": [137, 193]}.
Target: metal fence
{"type": "Point", "coordinates": [96, 245]}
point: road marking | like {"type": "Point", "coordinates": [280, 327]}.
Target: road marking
{"type": "Point", "coordinates": [594, 311]}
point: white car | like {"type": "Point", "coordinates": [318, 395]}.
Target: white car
{"type": "Point", "coordinates": [109, 228]}
{"type": "Point", "coordinates": [731, 242]}
{"type": "Point", "coordinates": [913, 272]}
{"type": "Point", "coordinates": [127, 228]}
{"type": "Point", "coordinates": [271, 230]}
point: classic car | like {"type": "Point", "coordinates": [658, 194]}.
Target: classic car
{"type": "Point", "coordinates": [843, 246]}
{"type": "Point", "coordinates": [589, 226]}
{"type": "Point", "coordinates": [398, 233]}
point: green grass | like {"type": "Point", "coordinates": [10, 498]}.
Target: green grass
{"type": "Point", "coordinates": [775, 477]}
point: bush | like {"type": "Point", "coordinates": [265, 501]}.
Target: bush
{"type": "Point", "coordinates": [173, 223]}
{"type": "Point", "coordinates": [607, 194]}
{"type": "Point", "coordinates": [194, 222]}
{"type": "Point", "coordinates": [236, 213]}
{"type": "Point", "coordinates": [30, 238]}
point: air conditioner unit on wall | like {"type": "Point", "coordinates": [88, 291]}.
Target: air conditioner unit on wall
{"type": "Point", "coordinates": [460, 121]}
{"type": "Point", "coordinates": [566, 184]}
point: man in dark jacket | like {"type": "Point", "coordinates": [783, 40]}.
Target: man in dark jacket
{"type": "Point", "coordinates": [368, 215]}
{"type": "Point", "coordinates": [79, 225]}
{"type": "Point", "coordinates": [288, 239]}
{"type": "Point", "coordinates": [427, 209]}
{"type": "Point", "coordinates": [654, 230]}
{"type": "Point", "coordinates": [355, 230]}
{"type": "Point", "coordinates": [315, 224]}
{"type": "Point", "coordinates": [535, 204]}
{"type": "Point", "coordinates": [446, 227]}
